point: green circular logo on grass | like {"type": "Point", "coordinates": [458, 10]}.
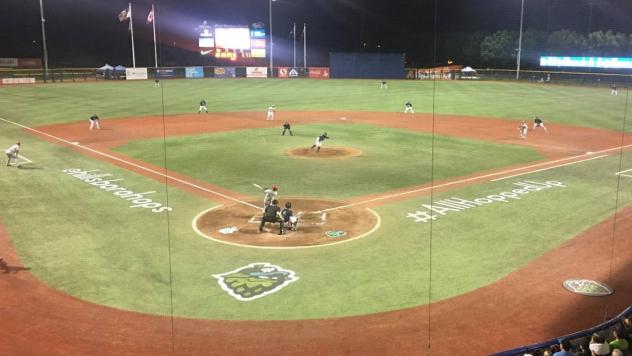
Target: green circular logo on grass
{"type": "Point", "coordinates": [336, 234]}
{"type": "Point", "coordinates": [587, 287]}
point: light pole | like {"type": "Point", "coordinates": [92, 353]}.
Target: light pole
{"type": "Point", "coordinates": [271, 41]}
{"type": "Point", "coordinates": [44, 41]}
{"type": "Point", "coordinates": [520, 42]}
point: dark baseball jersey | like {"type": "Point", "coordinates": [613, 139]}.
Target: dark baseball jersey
{"type": "Point", "coordinates": [203, 103]}
{"type": "Point", "coordinates": [94, 117]}
{"type": "Point", "coordinates": [271, 211]}
{"type": "Point", "coordinates": [286, 214]}
{"type": "Point", "coordinates": [322, 137]}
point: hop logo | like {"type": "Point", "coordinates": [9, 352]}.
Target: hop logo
{"type": "Point", "coordinates": [255, 280]}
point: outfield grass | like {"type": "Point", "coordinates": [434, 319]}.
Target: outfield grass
{"type": "Point", "coordinates": [90, 244]}
{"type": "Point", "coordinates": [392, 158]}
{"type": "Point", "coordinates": [583, 106]}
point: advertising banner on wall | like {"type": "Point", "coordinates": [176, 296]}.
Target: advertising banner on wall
{"type": "Point", "coordinates": [319, 72]}
{"type": "Point", "coordinates": [282, 72]}
{"type": "Point", "coordinates": [166, 73]}
{"type": "Point", "coordinates": [8, 62]}
{"type": "Point", "coordinates": [194, 72]}
{"type": "Point", "coordinates": [30, 62]}
{"type": "Point", "coordinates": [224, 72]}
{"type": "Point", "coordinates": [257, 72]}
{"type": "Point", "coordinates": [411, 73]}
{"type": "Point", "coordinates": [18, 81]}
{"type": "Point", "coordinates": [135, 73]}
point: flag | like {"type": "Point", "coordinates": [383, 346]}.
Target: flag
{"type": "Point", "coordinates": [124, 15]}
{"type": "Point", "coordinates": [150, 17]}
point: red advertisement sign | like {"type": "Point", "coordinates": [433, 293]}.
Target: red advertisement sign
{"type": "Point", "coordinates": [283, 72]}
{"type": "Point", "coordinates": [30, 62]}
{"type": "Point", "coordinates": [319, 72]}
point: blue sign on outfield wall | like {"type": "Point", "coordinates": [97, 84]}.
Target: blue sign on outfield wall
{"type": "Point", "coordinates": [587, 62]}
{"type": "Point", "coordinates": [194, 72]}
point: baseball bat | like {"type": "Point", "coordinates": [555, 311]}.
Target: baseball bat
{"type": "Point", "coordinates": [257, 185]}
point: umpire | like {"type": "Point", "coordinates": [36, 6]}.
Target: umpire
{"type": "Point", "coordinates": [272, 214]}
{"type": "Point", "coordinates": [286, 126]}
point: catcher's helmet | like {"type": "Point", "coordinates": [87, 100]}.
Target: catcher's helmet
{"type": "Point", "coordinates": [288, 205]}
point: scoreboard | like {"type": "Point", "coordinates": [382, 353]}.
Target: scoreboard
{"type": "Point", "coordinates": [232, 41]}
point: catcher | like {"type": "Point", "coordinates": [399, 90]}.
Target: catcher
{"type": "Point", "coordinates": [288, 216]}
{"type": "Point", "coordinates": [271, 214]}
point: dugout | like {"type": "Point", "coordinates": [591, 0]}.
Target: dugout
{"type": "Point", "coordinates": [366, 65]}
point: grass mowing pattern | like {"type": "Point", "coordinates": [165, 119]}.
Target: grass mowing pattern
{"type": "Point", "coordinates": [583, 106]}
{"type": "Point", "coordinates": [391, 159]}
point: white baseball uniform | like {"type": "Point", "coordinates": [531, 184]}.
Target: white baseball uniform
{"type": "Point", "coordinates": [12, 153]}
{"type": "Point", "coordinates": [271, 110]}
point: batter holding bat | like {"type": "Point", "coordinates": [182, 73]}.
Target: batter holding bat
{"type": "Point", "coordinates": [269, 194]}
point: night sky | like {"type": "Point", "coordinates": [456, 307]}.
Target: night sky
{"type": "Point", "coordinates": [87, 33]}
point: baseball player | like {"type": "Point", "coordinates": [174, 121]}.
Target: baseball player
{"type": "Point", "coordinates": [408, 108]}
{"type": "Point", "coordinates": [288, 216]}
{"type": "Point", "coordinates": [202, 106]}
{"type": "Point", "coordinates": [286, 126]}
{"type": "Point", "coordinates": [12, 153]}
{"type": "Point", "coordinates": [523, 128]}
{"type": "Point", "coordinates": [319, 141]}
{"type": "Point", "coordinates": [271, 214]}
{"type": "Point", "coordinates": [269, 194]}
{"type": "Point", "coordinates": [94, 121]}
{"type": "Point", "coordinates": [271, 110]}
{"type": "Point", "coordinates": [537, 122]}
{"type": "Point", "coordinates": [614, 90]}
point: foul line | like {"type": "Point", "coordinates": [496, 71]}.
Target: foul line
{"type": "Point", "coordinates": [74, 144]}
{"type": "Point", "coordinates": [482, 177]}
{"type": "Point", "coordinates": [544, 169]}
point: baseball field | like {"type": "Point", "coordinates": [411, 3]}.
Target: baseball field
{"type": "Point", "coordinates": [415, 230]}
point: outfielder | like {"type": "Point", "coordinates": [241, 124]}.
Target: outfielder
{"type": "Point", "coordinates": [269, 194]}
{"type": "Point", "coordinates": [319, 141]}
{"type": "Point", "coordinates": [408, 108]}
{"type": "Point", "coordinates": [271, 111]}
{"type": "Point", "coordinates": [94, 121]}
{"type": "Point", "coordinates": [12, 153]}
{"type": "Point", "coordinates": [202, 106]}
{"type": "Point", "coordinates": [537, 122]}
{"type": "Point", "coordinates": [614, 90]}
{"type": "Point", "coordinates": [523, 128]}
{"type": "Point", "coordinates": [383, 85]}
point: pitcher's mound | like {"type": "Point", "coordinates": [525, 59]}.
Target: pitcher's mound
{"type": "Point", "coordinates": [325, 152]}
{"type": "Point", "coordinates": [239, 224]}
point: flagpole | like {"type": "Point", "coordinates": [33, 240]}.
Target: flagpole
{"type": "Point", "coordinates": [304, 45]}
{"type": "Point", "coordinates": [44, 41]}
{"type": "Point", "coordinates": [131, 29]}
{"type": "Point", "coordinates": [153, 21]}
{"type": "Point", "coordinates": [294, 38]}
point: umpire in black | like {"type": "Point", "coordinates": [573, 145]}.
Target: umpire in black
{"type": "Point", "coordinates": [272, 214]}
{"type": "Point", "coordinates": [286, 126]}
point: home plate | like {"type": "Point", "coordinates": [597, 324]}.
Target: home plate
{"type": "Point", "coordinates": [343, 118]}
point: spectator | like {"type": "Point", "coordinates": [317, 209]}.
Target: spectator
{"type": "Point", "coordinates": [598, 345]}
{"type": "Point", "coordinates": [617, 352]}
{"type": "Point", "coordinates": [565, 347]}
{"type": "Point", "coordinates": [547, 353]}
{"type": "Point", "coordinates": [618, 342]}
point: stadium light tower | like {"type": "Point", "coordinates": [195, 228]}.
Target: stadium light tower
{"type": "Point", "coordinates": [271, 41]}
{"type": "Point", "coordinates": [44, 41]}
{"type": "Point", "coordinates": [520, 42]}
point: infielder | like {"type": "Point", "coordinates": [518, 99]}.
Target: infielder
{"type": "Point", "coordinates": [269, 194]}
{"type": "Point", "coordinates": [12, 153]}
{"type": "Point", "coordinates": [319, 141]}
{"type": "Point", "coordinates": [614, 90]}
{"type": "Point", "coordinates": [408, 108]}
{"type": "Point", "coordinates": [288, 127]}
{"type": "Point", "coordinates": [94, 121]}
{"type": "Point", "coordinates": [271, 111]}
{"type": "Point", "coordinates": [202, 106]}
{"type": "Point", "coordinates": [523, 128]}
{"type": "Point", "coordinates": [537, 122]}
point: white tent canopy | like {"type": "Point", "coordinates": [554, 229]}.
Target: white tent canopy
{"type": "Point", "coordinates": [468, 69]}
{"type": "Point", "coordinates": [106, 67]}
